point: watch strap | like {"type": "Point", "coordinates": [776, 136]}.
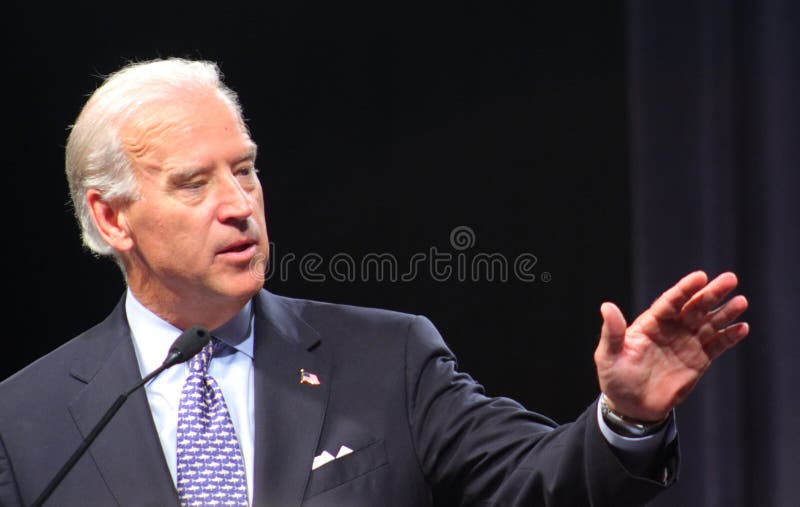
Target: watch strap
{"type": "Point", "coordinates": [626, 427]}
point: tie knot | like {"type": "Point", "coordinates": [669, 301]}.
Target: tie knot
{"type": "Point", "coordinates": [199, 363]}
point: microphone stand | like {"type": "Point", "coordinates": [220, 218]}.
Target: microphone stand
{"type": "Point", "coordinates": [185, 346]}
{"type": "Point", "coordinates": [113, 409]}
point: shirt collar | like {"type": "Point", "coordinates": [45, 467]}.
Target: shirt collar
{"type": "Point", "coordinates": [152, 335]}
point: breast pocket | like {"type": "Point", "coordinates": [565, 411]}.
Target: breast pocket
{"type": "Point", "coordinates": [347, 468]}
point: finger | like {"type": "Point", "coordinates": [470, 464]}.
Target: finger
{"type": "Point", "coordinates": [724, 316]}
{"type": "Point", "coordinates": [695, 311]}
{"type": "Point", "coordinates": [670, 303]}
{"type": "Point", "coordinates": [726, 339]}
{"type": "Point", "coordinates": [612, 334]}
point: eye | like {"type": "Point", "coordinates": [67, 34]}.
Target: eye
{"type": "Point", "coordinates": [246, 171]}
{"type": "Point", "coordinates": [193, 185]}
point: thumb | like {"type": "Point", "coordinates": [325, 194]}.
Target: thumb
{"type": "Point", "coordinates": [612, 334]}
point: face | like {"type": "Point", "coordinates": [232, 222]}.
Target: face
{"type": "Point", "coordinates": [198, 227]}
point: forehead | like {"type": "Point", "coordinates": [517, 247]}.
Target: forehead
{"type": "Point", "coordinates": [188, 123]}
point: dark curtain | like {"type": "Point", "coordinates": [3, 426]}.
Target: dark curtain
{"type": "Point", "coordinates": [715, 139]}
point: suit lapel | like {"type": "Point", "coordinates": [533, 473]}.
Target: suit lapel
{"type": "Point", "coordinates": [288, 414]}
{"type": "Point", "coordinates": [128, 452]}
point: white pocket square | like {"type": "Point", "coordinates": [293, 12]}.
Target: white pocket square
{"type": "Point", "coordinates": [326, 457]}
{"type": "Point", "coordinates": [343, 451]}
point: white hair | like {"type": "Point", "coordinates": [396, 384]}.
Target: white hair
{"type": "Point", "coordinates": [95, 157]}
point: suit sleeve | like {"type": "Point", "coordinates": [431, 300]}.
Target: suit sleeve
{"type": "Point", "coordinates": [9, 494]}
{"type": "Point", "coordinates": [482, 451]}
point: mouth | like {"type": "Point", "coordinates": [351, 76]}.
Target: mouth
{"type": "Point", "coordinates": [239, 250]}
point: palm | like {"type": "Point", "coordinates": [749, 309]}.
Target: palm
{"type": "Point", "coordinates": [647, 368]}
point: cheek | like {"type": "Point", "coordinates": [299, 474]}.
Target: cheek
{"type": "Point", "coordinates": [258, 198]}
{"type": "Point", "coordinates": [259, 205]}
{"type": "Point", "coordinates": [183, 238]}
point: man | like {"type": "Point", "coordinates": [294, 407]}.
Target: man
{"type": "Point", "coordinates": [313, 404]}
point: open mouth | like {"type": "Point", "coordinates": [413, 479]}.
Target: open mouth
{"type": "Point", "coordinates": [239, 248]}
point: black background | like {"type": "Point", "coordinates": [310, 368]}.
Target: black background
{"type": "Point", "coordinates": [381, 127]}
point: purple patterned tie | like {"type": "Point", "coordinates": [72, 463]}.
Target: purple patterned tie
{"type": "Point", "coordinates": [210, 466]}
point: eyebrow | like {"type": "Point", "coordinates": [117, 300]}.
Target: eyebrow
{"type": "Point", "coordinates": [249, 154]}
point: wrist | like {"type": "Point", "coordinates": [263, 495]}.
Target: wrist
{"type": "Point", "coordinates": [626, 426]}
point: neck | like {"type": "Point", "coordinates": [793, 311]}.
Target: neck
{"type": "Point", "coordinates": [184, 312]}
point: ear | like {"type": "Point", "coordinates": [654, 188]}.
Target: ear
{"type": "Point", "coordinates": [109, 217]}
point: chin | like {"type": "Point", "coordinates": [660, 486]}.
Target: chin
{"type": "Point", "coordinates": [241, 288]}
{"type": "Point", "coordinates": [233, 283]}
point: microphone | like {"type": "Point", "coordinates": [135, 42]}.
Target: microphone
{"type": "Point", "coordinates": [185, 346]}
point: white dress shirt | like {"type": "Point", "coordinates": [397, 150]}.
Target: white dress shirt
{"type": "Point", "coordinates": [232, 369]}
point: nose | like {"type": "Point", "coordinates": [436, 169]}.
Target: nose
{"type": "Point", "coordinates": [234, 202]}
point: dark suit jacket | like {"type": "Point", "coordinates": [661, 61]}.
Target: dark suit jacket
{"type": "Point", "coordinates": [423, 434]}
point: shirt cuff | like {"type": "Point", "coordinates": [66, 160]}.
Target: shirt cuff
{"type": "Point", "coordinates": [642, 446]}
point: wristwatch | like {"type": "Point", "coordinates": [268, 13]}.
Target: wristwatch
{"type": "Point", "coordinates": [625, 427]}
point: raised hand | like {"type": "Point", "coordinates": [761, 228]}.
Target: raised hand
{"type": "Point", "coordinates": [647, 368]}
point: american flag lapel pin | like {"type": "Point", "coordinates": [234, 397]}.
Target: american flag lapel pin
{"type": "Point", "coordinates": [308, 378]}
